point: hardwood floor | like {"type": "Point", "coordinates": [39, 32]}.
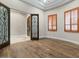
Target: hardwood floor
{"type": "Point", "coordinates": [43, 48]}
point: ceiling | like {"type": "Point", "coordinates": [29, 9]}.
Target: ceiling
{"type": "Point", "coordinates": [46, 4]}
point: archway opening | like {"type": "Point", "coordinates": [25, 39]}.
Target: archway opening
{"type": "Point", "coordinates": [29, 26]}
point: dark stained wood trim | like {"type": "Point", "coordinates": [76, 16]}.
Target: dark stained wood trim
{"type": "Point", "coordinates": [4, 45]}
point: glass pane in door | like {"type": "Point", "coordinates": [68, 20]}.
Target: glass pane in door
{"type": "Point", "coordinates": [34, 26]}
{"type": "Point", "coordinates": [3, 24]}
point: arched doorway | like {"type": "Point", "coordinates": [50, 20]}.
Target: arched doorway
{"type": "Point", "coordinates": [33, 26]}
{"type": "Point", "coordinates": [29, 26]}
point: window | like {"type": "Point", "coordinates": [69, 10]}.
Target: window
{"type": "Point", "coordinates": [52, 22]}
{"type": "Point", "coordinates": [72, 20]}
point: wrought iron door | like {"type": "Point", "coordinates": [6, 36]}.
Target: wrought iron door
{"type": "Point", "coordinates": [34, 26]}
{"type": "Point", "coordinates": [4, 26]}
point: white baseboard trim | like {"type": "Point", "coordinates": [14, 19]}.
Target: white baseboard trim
{"type": "Point", "coordinates": [22, 38]}
{"type": "Point", "coordinates": [58, 38]}
{"type": "Point", "coordinates": [41, 37]}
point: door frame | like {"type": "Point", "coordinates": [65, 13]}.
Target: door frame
{"type": "Point", "coordinates": [37, 27]}
{"type": "Point", "coordinates": [8, 42]}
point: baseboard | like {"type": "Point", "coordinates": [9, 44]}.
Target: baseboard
{"type": "Point", "coordinates": [41, 37]}
{"type": "Point", "coordinates": [16, 36]}
{"type": "Point", "coordinates": [58, 38]}
{"type": "Point", "coordinates": [21, 38]}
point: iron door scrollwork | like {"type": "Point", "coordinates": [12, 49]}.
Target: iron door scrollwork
{"type": "Point", "coordinates": [4, 25]}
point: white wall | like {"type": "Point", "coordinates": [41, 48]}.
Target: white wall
{"type": "Point", "coordinates": [26, 9]}
{"type": "Point", "coordinates": [18, 21]}
{"type": "Point", "coordinates": [43, 23]}
{"type": "Point", "coordinates": [18, 26]}
{"type": "Point", "coordinates": [60, 34]}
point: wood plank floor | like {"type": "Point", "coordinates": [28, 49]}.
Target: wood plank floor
{"type": "Point", "coordinates": [43, 48]}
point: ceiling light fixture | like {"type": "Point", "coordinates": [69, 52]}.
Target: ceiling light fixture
{"type": "Point", "coordinates": [45, 1]}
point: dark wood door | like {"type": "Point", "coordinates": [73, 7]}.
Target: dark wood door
{"type": "Point", "coordinates": [34, 27]}
{"type": "Point", "coordinates": [4, 25]}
